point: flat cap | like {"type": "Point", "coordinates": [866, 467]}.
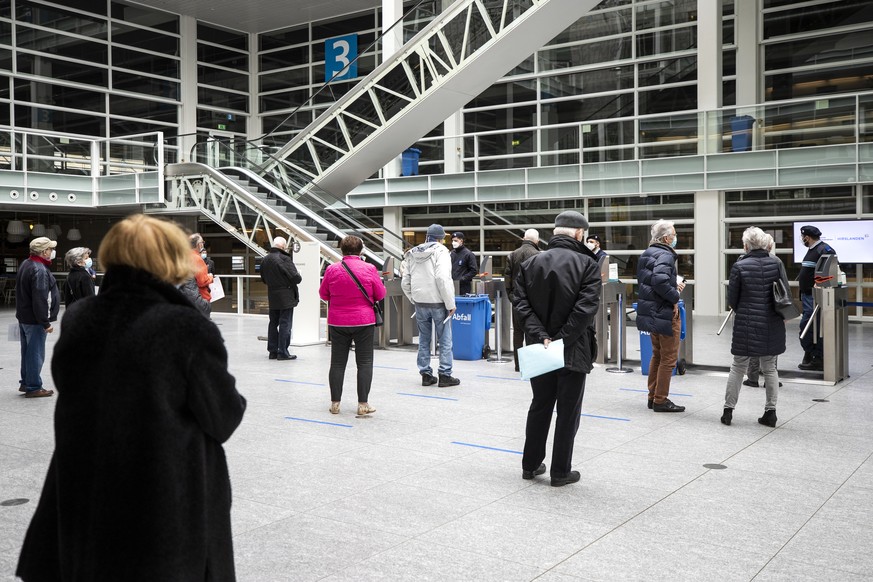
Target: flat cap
{"type": "Point", "coordinates": [810, 230]}
{"type": "Point", "coordinates": [42, 244]}
{"type": "Point", "coordinates": [571, 219]}
{"type": "Point", "coordinates": [458, 234]}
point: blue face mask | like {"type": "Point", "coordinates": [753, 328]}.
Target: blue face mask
{"type": "Point", "coordinates": [675, 240]}
{"type": "Point", "coordinates": [88, 263]}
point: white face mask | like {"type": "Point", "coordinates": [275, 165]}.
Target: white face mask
{"type": "Point", "coordinates": [203, 255]}
{"type": "Point", "coordinates": [53, 255]}
{"type": "Point", "coordinates": [591, 246]}
{"type": "Point", "coordinates": [455, 244]}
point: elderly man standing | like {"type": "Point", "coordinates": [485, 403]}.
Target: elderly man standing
{"type": "Point", "coordinates": [658, 311]}
{"type": "Point", "coordinates": [36, 306]}
{"type": "Point", "coordinates": [427, 283]}
{"type": "Point", "coordinates": [281, 276]}
{"type": "Point", "coordinates": [526, 250]}
{"type": "Point", "coordinates": [557, 294]}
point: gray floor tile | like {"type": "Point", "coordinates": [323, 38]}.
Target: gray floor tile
{"type": "Point", "coordinates": [781, 570]}
{"type": "Point", "coordinates": [831, 544]}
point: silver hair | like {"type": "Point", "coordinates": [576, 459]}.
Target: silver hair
{"type": "Point", "coordinates": [532, 234]}
{"type": "Point", "coordinates": [661, 230]}
{"type": "Point", "coordinates": [566, 230]}
{"type": "Point", "coordinates": [279, 242]}
{"type": "Point", "coordinates": [771, 244]}
{"type": "Point", "coordinates": [195, 240]}
{"type": "Point", "coordinates": [76, 256]}
{"type": "Point", "coordinates": [754, 238]}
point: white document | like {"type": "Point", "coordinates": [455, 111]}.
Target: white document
{"type": "Point", "coordinates": [216, 289]}
{"type": "Point", "coordinates": [536, 360]}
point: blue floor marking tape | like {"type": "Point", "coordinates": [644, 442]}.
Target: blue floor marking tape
{"type": "Point", "coordinates": [391, 368]}
{"type": "Point", "coordinates": [489, 448]}
{"type": "Point", "coordinates": [638, 390]}
{"type": "Point", "coordinates": [318, 421]}
{"type": "Point", "coordinates": [501, 378]}
{"type": "Point", "coordinates": [605, 417]}
{"type": "Point", "coordinates": [299, 382]}
{"type": "Point", "coordinates": [426, 396]}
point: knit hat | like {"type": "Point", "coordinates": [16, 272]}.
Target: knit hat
{"type": "Point", "coordinates": [436, 231]}
{"type": "Point", "coordinates": [41, 244]}
{"type": "Point", "coordinates": [810, 230]}
{"type": "Point", "coordinates": [571, 219]}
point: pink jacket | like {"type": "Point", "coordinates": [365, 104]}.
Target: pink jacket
{"type": "Point", "coordinates": [347, 306]}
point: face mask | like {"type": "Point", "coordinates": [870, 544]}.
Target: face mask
{"type": "Point", "coordinates": [591, 246]}
{"type": "Point", "coordinates": [203, 255]}
{"type": "Point", "coordinates": [88, 263]}
{"type": "Point", "coordinates": [455, 244]}
{"type": "Point", "coordinates": [54, 254]}
{"type": "Point", "coordinates": [675, 240]}
{"type": "Point", "coordinates": [805, 241]}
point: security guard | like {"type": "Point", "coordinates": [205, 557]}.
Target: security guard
{"type": "Point", "coordinates": [812, 350]}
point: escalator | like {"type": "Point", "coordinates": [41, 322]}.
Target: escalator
{"type": "Point", "coordinates": [463, 51]}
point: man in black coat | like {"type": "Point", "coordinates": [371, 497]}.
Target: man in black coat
{"type": "Point", "coordinates": [527, 249]}
{"type": "Point", "coordinates": [813, 353]}
{"type": "Point", "coordinates": [37, 302]}
{"type": "Point", "coordinates": [281, 276]}
{"type": "Point", "coordinates": [557, 294]}
{"type": "Point", "coordinates": [464, 264]}
{"type": "Point", "coordinates": [658, 311]}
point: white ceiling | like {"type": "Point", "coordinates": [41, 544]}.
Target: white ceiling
{"type": "Point", "coordinates": [260, 15]}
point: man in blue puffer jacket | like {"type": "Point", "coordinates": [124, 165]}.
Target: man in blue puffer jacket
{"type": "Point", "coordinates": [658, 311]}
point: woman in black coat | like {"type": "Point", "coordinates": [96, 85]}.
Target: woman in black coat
{"type": "Point", "coordinates": [79, 283]}
{"type": "Point", "coordinates": [759, 330]}
{"type": "Point", "coordinates": [138, 487]}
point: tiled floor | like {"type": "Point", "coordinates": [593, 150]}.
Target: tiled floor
{"type": "Point", "coordinates": [430, 488]}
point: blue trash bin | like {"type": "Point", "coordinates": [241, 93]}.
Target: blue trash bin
{"type": "Point", "coordinates": [741, 133]}
{"type": "Point", "coordinates": [409, 162]}
{"type": "Point", "coordinates": [470, 323]}
{"type": "Point", "coordinates": [646, 342]}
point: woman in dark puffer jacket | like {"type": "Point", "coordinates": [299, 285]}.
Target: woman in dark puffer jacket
{"type": "Point", "coordinates": [759, 330]}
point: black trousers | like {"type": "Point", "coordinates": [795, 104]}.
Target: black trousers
{"type": "Point", "coordinates": [564, 389]}
{"type": "Point", "coordinates": [517, 335]}
{"type": "Point", "coordinates": [341, 339]}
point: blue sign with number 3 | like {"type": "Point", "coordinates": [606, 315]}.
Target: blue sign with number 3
{"type": "Point", "coordinates": [339, 55]}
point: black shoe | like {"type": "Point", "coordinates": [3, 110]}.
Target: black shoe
{"type": "Point", "coordinates": [815, 364]}
{"type": "Point", "coordinates": [668, 406]}
{"type": "Point", "coordinates": [288, 357]}
{"type": "Point", "coordinates": [531, 474]}
{"type": "Point", "coordinates": [650, 404]}
{"type": "Point", "coordinates": [448, 381]}
{"type": "Point", "coordinates": [727, 415]}
{"type": "Point", "coordinates": [807, 358]}
{"type": "Point", "coordinates": [571, 477]}
{"type": "Point", "coordinates": [750, 383]}
{"type": "Point", "coordinates": [428, 380]}
{"type": "Point", "coordinates": [273, 356]}
{"type": "Point", "coordinates": [769, 418]}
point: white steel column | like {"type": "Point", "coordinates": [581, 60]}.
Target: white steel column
{"type": "Point", "coordinates": [392, 220]}
{"type": "Point", "coordinates": [746, 23]}
{"type": "Point", "coordinates": [254, 123]}
{"type": "Point", "coordinates": [708, 235]}
{"type": "Point", "coordinates": [188, 86]}
{"type": "Point", "coordinates": [392, 11]}
{"type": "Point", "coordinates": [709, 49]}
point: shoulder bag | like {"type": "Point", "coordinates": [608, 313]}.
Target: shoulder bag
{"type": "Point", "coordinates": [377, 309]}
{"type": "Point", "coordinates": [782, 300]}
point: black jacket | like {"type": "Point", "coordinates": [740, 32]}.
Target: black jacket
{"type": "Point", "coordinates": [138, 487]}
{"type": "Point", "coordinates": [464, 268]}
{"type": "Point", "coordinates": [806, 276]}
{"type": "Point", "coordinates": [37, 299]}
{"type": "Point", "coordinates": [281, 276]}
{"type": "Point", "coordinates": [658, 290]}
{"type": "Point", "coordinates": [758, 329]}
{"type": "Point", "coordinates": [78, 285]}
{"type": "Point", "coordinates": [557, 294]}
{"type": "Point", "coordinates": [514, 261]}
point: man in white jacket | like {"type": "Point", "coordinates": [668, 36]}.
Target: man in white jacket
{"type": "Point", "coordinates": [427, 283]}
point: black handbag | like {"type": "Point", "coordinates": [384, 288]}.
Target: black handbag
{"type": "Point", "coordinates": [377, 309]}
{"type": "Point", "coordinates": [782, 300]}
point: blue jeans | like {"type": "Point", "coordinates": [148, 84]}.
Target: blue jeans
{"type": "Point", "coordinates": [425, 316]}
{"type": "Point", "coordinates": [279, 331]}
{"type": "Point", "coordinates": [32, 355]}
{"type": "Point", "coordinates": [810, 344]}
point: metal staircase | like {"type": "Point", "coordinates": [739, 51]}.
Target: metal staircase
{"type": "Point", "coordinates": [457, 56]}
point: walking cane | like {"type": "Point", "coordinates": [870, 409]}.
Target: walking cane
{"type": "Point", "coordinates": [726, 319]}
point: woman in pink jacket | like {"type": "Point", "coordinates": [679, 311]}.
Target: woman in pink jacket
{"type": "Point", "coordinates": [350, 318]}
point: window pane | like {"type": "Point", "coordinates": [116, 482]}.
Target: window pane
{"type": "Point", "coordinates": [597, 24]}
{"type": "Point", "coordinates": [504, 93]}
{"type": "Point", "coordinates": [146, 16]}
{"type": "Point", "coordinates": [816, 18]}
{"type": "Point", "coordinates": [60, 95]}
{"type": "Point", "coordinates": [60, 69]}
{"type": "Point", "coordinates": [222, 99]}
{"type": "Point", "coordinates": [144, 38]}
{"type": "Point", "coordinates": [222, 78]}
{"type": "Point", "coordinates": [500, 119]}
{"type": "Point", "coordinates": [154, 110]}
{"type": "Point", "coordinates": [144, 62]}
{"type": "Point", "coordinates": [290, 79]}
{"type": "Point", "coordinates": [61, 45]}
{"type": "Point", "coordinates": [615, 49]}
{"type": "Point", "coordinates": [50, 17]}
{"type": "Point", "coordinates": [668, 71]}
{"type": "Point", "coordinates": [147, 85]}
{"type": "Point", "coordinates": [597, 81]}
{"type": "Point", "coordinates": [667, 41]}
{"type": "Point", "coordinates": [222, 57]}
{"type": "Point", "coordinates": [56, 120]}
{"type": "Point", "coordinates": [620, 105]}
{"type": "Point", "coordinates": [284, 38]}
{"type": "Point", "coordinates": [285, 58]}
{"type": "Point", "coordinates": [222, 36]}
{"type": "Point", "coordinates": [790, 202]}
{"type": "Point", "coordinates": [666, 13]}
{"type": "Point", "coordinates": [213, 119]}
